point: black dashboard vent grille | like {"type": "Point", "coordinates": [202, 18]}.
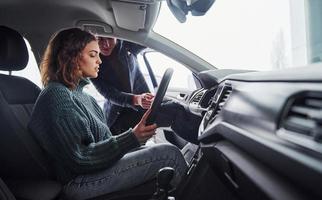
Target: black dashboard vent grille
{"type": "Point", "coordinates": [304, 116]}
{"type": "Point", "coordinates": [197, 97]}
{"type": "Point", "coordinates": [222, 99]}
{"type": "Point", "coordinates": [218, 101]}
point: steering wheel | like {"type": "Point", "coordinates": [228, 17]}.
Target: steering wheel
{"type": "Point", "coordinates": [159, 96]}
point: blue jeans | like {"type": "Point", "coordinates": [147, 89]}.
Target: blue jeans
{"type": "Point", "coordinates": [133, 169]}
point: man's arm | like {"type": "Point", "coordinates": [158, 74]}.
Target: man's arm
{"type": "Point", "coordinates": [122, 98]}
{"type": "Point", "coordinates": [114, 95]}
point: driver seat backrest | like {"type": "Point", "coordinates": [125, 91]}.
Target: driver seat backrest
{"type": "Point", "coordinates": [21, 157]}
{"type": "Point", "coordinates": [5, 193]}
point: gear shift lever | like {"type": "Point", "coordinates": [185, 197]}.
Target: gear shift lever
{"type": "Point", "coordinates": [164, 177]}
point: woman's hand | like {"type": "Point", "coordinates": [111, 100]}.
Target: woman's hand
{"type": "Point", "coordinates": [144, 100]}
{"type": "Point", "coordinates": [143, 132]}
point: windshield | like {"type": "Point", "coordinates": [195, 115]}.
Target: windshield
{"type": "Point", "coordinates": [250, 34]}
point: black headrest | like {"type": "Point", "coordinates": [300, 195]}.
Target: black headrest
{"type": "Point", "coordinates": [13, 50]}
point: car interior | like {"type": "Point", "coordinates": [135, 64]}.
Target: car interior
{"type": "Point", "coordinates": [261, 131]}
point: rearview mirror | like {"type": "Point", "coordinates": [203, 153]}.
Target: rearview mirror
{"type": "Point", "coordinates": [180, 8]}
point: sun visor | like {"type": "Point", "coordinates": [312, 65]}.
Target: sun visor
{"type": "Point", "coordinates": [130, 16]}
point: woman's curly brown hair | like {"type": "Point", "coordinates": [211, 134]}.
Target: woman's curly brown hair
{"type": "Point", "coordinates": [60, 60]}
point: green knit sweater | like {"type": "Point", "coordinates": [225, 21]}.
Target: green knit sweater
{"type": "Point", "coordinates": [71, 128]}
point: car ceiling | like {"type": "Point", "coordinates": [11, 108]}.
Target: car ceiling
{"type": "Point", "coordinates": [37, 20]}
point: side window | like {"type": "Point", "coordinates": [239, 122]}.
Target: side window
{"type": "Point", "coordinates": [31, 71]}
{"type": "Point", "coordinates": [182, 77]}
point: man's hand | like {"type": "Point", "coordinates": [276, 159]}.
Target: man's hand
{"type": "Point", "coordinates": [143, 132]}
{"type": "Point", "coordinates": [144, 100]}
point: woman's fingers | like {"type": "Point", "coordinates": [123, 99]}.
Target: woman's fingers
{"type": "Point", "coordinates": [148, 131]}
{"type": "Point", "coordinates": [143, 132]}
{"type": "Point", "coordinates": [150, 127]}
{"type": "Point", "coordinates": [148, 134]}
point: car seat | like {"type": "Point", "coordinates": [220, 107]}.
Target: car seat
{"type": "Point", "coordinates": [5, 193]}
{"type": "Point", "coordinates": [23, 164]}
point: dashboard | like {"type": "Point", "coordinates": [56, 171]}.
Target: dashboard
{"type": "Point", "coordinates": [270, 122]}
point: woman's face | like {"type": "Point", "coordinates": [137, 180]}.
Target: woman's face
{"type": "Point", "coordinates": [106, 45]}
{"type": "Point", "coordinates": [89, 61]}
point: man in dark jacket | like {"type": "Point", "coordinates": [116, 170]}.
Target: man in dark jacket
{"type": "Point", "coordinates": [122, 84]}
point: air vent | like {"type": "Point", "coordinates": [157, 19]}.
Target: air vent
{"type": "Point", "coordinates": [219, 100]}
{"type": "Point", "coordinates": [196, 99]}
{"type": "Point", "coordinates": [226, 91]}
{"type": "Point", "coordinates": [304, 116]}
